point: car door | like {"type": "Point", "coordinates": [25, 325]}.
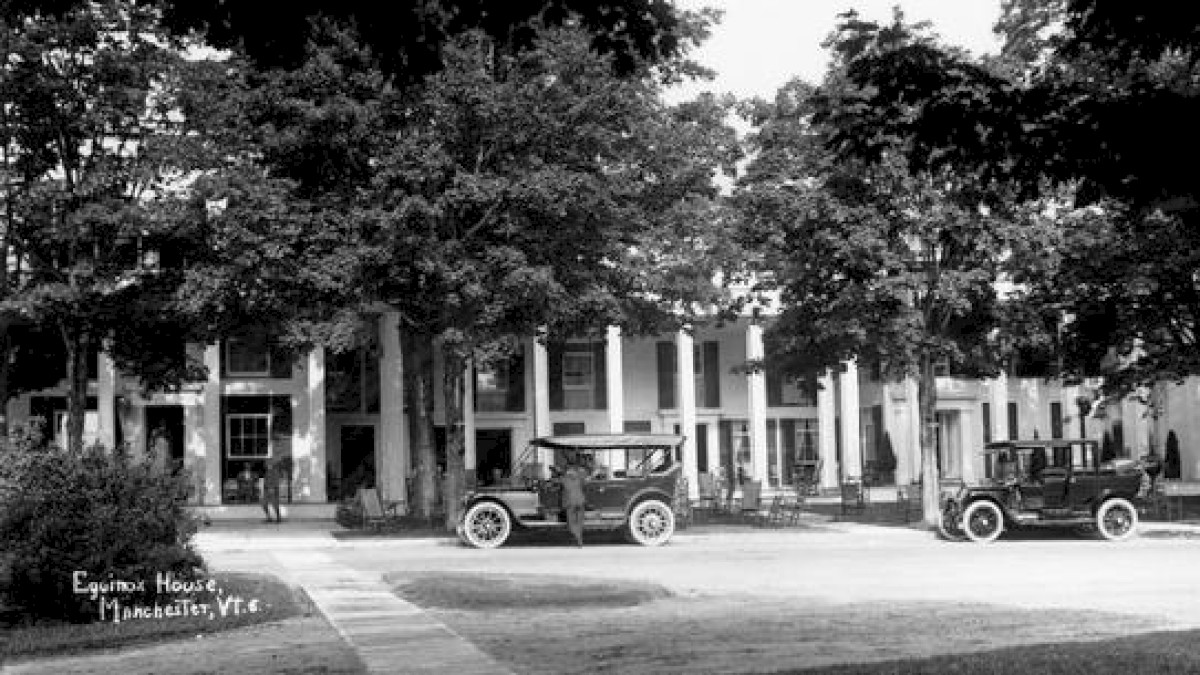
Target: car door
{"type": "Point", "coordinates": [1084, 478]}
{"type": "Point", "coordinates": [606, 497]}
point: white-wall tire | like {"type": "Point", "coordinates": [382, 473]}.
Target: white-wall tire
{"type": "Point", "coordinates": [1116, 519]}
{"type": "Point", "coordinates": [486, 525]}
{"type": "Point", "coordinates": [983, 522]}
{"type": "Point", "coordinates": [651, 523]}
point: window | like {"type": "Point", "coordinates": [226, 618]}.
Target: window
{"type": "Point", "coordinates": [783, 392]}
{"type": "Point", "coordinates": [987, 422]}
{"type": "Point", "coordinates": [1056, 419]}
{"type": "Point", "coordinates": [248, 435]}
{"type": "Point", "coordinates": [577, 376]}
{"type": "Point", "coordinates": [567, 428]}
{"type": "Point", "coordinates": [705, 367]}
{"type": "Point", "coordinates": [248, 355]}
{"type": "Point", "coordinates": [352, 381]}
{"type": "Point", "coordinates": [941, 368]}
{"type": "Point", "coordinates": [578, 380]}
{"type": "Point", "coordinates": [500, 386]}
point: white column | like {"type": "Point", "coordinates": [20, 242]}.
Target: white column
{"type": "Point", "coordinates": [541, 389]}
{"type": "Point", "coordinates": [541, 399]}
{"type": "Point", "coordinates": [686, 395]}
{"type": "Point", "coordinates": [912, 401]}
{"type": "Point", "coordinates": [1137, 427]}
{"type": "Point", "coordinates": [392, 461]}
{"type": "Point", "coordinates": [310, 451]}
{"type": "Point", "coordinates": [827, 431]}
{"type": "Point", "coordinates": [470, 461]}
{"type": "Point", "coordinates": [851, 435]}
{"type": "Point", "coordinates": [998, 393]}
{"type": "Point", "coordinates": [207, 448]}
{"type": "Point", "coordinates": [106, 398]}
{"type": "Point", "coordinates": [194, 454]}
{"type": "Point", "coordinates": [614, 380]}
{"type": "Point", "coordinates": [756, 402]}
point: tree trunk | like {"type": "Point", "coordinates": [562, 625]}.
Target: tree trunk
{"type": "Point", "coordinates": [5, 370]}
{"type": "Point", "coordinates": [77, 343]}
{"type": "Point", "coordinates": [927, 411]}
{"type": "Point", "coordinates": [418, 383]}
{"type": "Point", "coordinates": [453, 390]}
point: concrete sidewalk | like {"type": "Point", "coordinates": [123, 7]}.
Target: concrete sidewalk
{"type": "Point", "coordinates": [389, 634]}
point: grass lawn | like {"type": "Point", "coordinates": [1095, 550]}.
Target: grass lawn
{"type": "Point", "coordinates": [564, 625]}
{"type": "Point", "coordinates": [1157, 653]}
{"type": "Point", "coordinates": [275, 601]}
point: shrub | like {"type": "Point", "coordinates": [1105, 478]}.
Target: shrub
{"type": "Point", "coordinates": [104, 514]}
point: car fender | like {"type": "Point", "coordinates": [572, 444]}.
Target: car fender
{"type": "Point", "coordinates": [495, 500]}
{"type": "Point", "coordinates": [1009, 516]}
{"type": "Point", "coordinates": [647, 493]}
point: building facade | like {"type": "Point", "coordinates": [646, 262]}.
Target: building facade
{"type": "Point", "coordinates": [340, 419]}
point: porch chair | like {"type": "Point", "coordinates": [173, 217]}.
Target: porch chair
{"type": "Point", "coordinates": [854, 497]}
{"type": "Point", "coordinates": [777, 512]}
{"type": "Point", "coordinates": [375, 513]}
{"type": "Point", "coordinates": [908, 498]}
{"type": "Point", "coordinates": [709, 498]}
{"type": "Point", "coordinates": [751, 500]}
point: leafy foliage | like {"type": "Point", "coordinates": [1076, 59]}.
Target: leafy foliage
{"type": "Point", "coordinates": [101, 512]}
{"type": "Point", "coordinates": [882, 249]}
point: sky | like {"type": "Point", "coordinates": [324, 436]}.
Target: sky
{"type": "Point", "coordinates": [761, 44]}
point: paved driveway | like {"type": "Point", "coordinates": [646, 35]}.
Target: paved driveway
{"type": "Point", "coordinates": [1156, 578]}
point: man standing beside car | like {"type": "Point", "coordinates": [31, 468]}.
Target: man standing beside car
{"type": "Point", "coordinates": [572, 497]}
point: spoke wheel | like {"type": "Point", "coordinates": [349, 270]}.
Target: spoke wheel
{"type": "Point", "coordinates": [983, 522]}
{"type": "Point", "coordinates": [949, 524]}
{"type": "Point", "coordinates": [1116, 520]}
{"type": "Point", "coordinates": [486, 525]}
{"type": "Point", "coordinates": [651, 523]}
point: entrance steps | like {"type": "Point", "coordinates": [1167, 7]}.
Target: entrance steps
{"type": "Point", "coordinates": [254, 512]}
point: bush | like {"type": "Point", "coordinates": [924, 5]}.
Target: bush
{"type": "Point", "coordinates": [94, 512]}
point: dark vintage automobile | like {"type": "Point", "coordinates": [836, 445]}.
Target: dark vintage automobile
{"type": "Point", "coordinates": [631, 484]}
{"type": "Point", "coordinates": [1047, 483]}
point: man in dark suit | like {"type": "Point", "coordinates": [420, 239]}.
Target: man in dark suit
{"type": "Point", "coordinates": [270, 493]}
{"type": "Point", "coordinates": [572, 496]}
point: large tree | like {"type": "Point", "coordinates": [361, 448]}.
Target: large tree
{"type": "Point", "coordinates": [875, 259]}
{"type": "Point", "coordinates": [92, 145]}
{"type": "Point", "coordinates": [536, 191]}
{"type": "Point", "coordinates": [1088, 113]}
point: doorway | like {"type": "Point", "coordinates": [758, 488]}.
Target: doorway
{"type": "Point", "coordinates": [493, 455]}
{"type": "Point", "coordinates": [357, 458]}
{"type": "Point", "coordinates": [164, 426]}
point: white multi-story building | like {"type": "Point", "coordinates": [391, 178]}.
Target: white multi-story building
{"type": "Point", "coordinates": [341, 418]}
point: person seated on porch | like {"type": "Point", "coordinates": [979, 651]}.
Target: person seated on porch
{"type": "Point", "coordinates": [246, 479]}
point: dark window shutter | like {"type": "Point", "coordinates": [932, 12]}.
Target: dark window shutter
{"type": "Point", "coordinates": [1013, 421]}
{"type": "Point", "coordinates": [554, 354]}
{"type": "Point", "coordinates": [701, 443]}
{"type": "Point", "coordinates": [877, 418]}
{"type": "Point", "coordinates": [1056, 420]}
{"type": "Point", "coordinates": [515, 400]}
{"type": "Point", "coordinates": [987, 422]}
{"type": "Point", "coordinates": [788, 432]}
{"type": "Point", "coordinates": [281, 361]}
{"type": "Point", "coordinates": [666, 374]}
{"type": "Point", "coordinates": [774, 390]}
{"type": "Point", "coordinates": [600, 375]}
{"type": "Point", "coordinates": [712, 375]}
{"type": "Point", "coordinates": [726, 429]}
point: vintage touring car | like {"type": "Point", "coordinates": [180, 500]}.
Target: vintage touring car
{"type": "Point", "coordinates": [1047, 483]}
{"type": "Point", "coordinates": [631, 485]}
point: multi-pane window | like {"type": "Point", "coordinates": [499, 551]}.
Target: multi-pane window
{"type": "Point", "coordinates": [578, 380]}
{"type": "Point", "coordinates": [248, 355]}
{"type": "Point", "coordinates": [248, 435]}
